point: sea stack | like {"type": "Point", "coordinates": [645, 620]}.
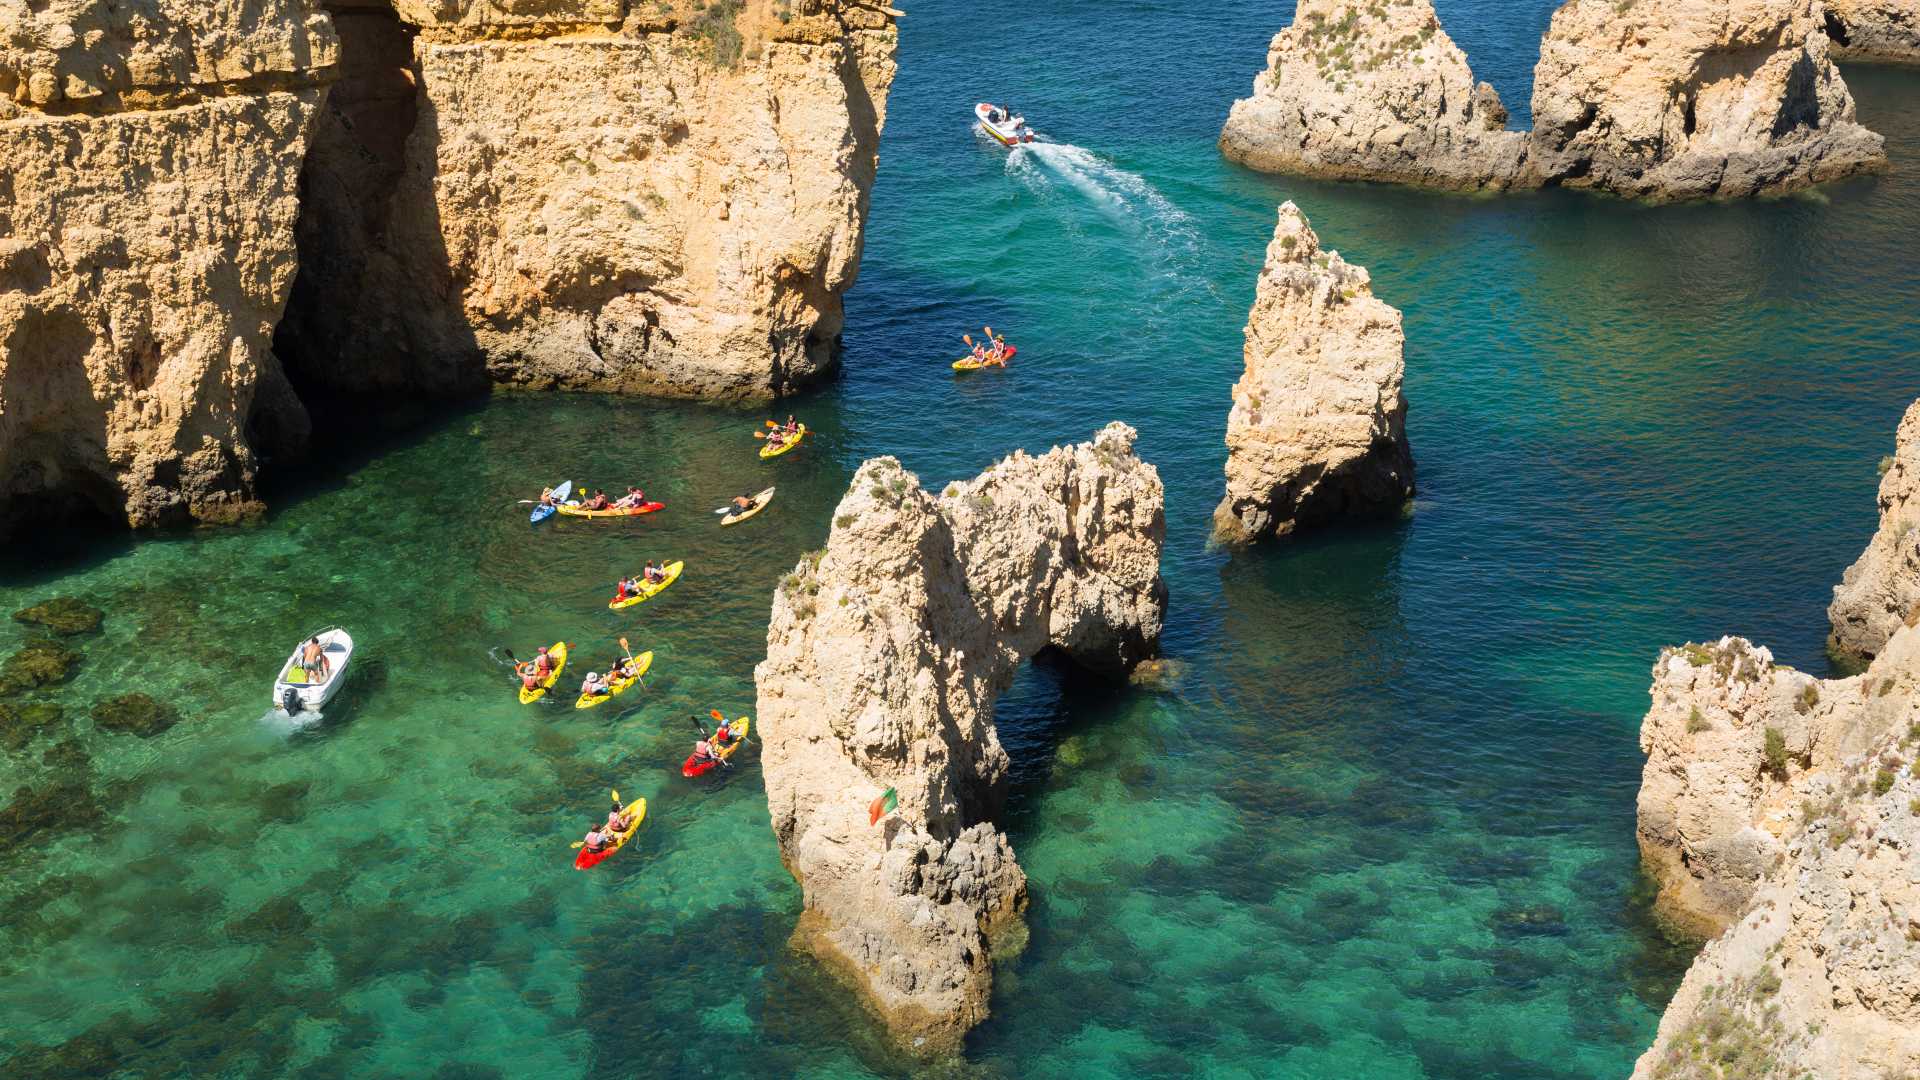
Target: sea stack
{"type": "Point", "coordinates": [1777, 812]}
{"type": "Point", "coordinates": [1372, 90]}
{"type": "Point", "coordinates": [1693, 98]}
{"type": "Point", "coordinates": [150, 171]}
{"type": "Point", "coordinates": [1879, 31]}
{"type": "Point", "coordinates": [634, 196]}
{"type": "Point", "coordinates": [1881, 590]}
{"type": "Point", "coordinates": [1318, 426]}
{"type": "Point", "coordinates": [885, 654]}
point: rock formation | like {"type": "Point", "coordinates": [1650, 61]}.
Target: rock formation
{"type": "Point", "coordinates": [1373, 90]}
{"type": "Point", "coordinates": [149, 156]}
{"type": "Point", "coordinates": [1682, 100]}
{"type": "Point", "coordinates": [1781, 813]}
{"type": "Point", "coordinates": [1692, 99]}
{"type": "Point", "coordinates": [1318, 427]}
{"type": "Point", "coordinates": [1882, 588]}
{"type": "Point", "coordinates": [1883, 31]}
{"type": "Point", "coordinates": [624, 195]}
{"type": "Point", "coordinates": [885, 655]}
{"type": "Point", "coordinates": [1801, 845]}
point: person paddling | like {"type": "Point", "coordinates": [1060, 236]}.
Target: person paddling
{"type": "Point", "coordinates": [596, 839]}
{"type": "Point", "coordinates": [653, 573]}
{"type": "Point", "coordinates": [743, 502]}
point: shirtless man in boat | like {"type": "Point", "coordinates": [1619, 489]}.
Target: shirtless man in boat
{"type": "Point", "coordinates": [743, 502]}
{"type": "Point", "coordinates": [314, 659]}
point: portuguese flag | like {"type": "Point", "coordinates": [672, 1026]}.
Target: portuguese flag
{"type": "Point", "coordinates": [882, 806]}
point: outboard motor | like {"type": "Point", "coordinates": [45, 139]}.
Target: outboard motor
{"type": "Point", "coordinates": [291, 702]}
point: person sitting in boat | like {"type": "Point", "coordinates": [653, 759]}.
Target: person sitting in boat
{"type": "Point", "coordinates": [313, 659]}
{"type": "Point", "coordinates": [537, 669]}
{"type": "Point", "coordinates": [621, 668]}
{"type": "Point", "coordinates": [654, 573]}
{"type": "Point", "coordinates": [631, 500]}
{"type": "Point", "coordinates": [594, 685]}
{"type": "Point", "coordinates": [626, 589]}
{"type": "Point", "coordinates": [546, 497]}
{"type": "Point", "coordinates": [703, 753]}
{"type": "Point", "coordinates": [597, 839]}
{"type": "Point", "coordinates": [722, 737]}
{"type": "Point", "coordinates": [618, 820]}
{"type": "Point", "coordinates": [743, 502]}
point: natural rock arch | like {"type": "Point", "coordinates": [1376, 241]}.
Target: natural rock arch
{"type": "Point", "coordinates": [885, 654]}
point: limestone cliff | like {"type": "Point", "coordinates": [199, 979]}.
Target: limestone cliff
{"type": "Point", "coordinates": [1882, 588]}
{"type": "Point", "coordinates": [1318, 426]}
{"type": "Point", "coordinates": [885, 654]}
{"type": "Point", "coordinates": [622, 195]}
{"type": "Point", "coordinates": [1882, 31]}
{"type": "Point", "coordinates": [1693, 98]}
{"type": "Point", "coordinates": [149, 155]}
{"type": "Point", "coordinates": [1783, 809]}
{"type": "Point", "coordinates": [1373, 90]}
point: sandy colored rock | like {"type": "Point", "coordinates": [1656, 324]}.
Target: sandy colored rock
{"type": "Point", "coordinates": [589, 194]}
{"type": "Point", "coordinates": [1693, 98]}
{"type": "Point", "coordinates": [1817, 972]}
{"type": "Point", "coordinates": [1881, 590]}
{"type": "Point", "coordinates": [146, 247]}
{"type": "Point", "coordinates": [1318, 425]}
{"type": "Point", "coordinates": [1373, 90]}
{"type": "Point", "coordinates": [1881, 31]}
{"type": "Point", "coordinates": [885, 655]}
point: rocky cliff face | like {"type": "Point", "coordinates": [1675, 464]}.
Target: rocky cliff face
{"type": "Point", "coordinates": [1318, 426]}
{"type": "Point", "coordinates": [1373, 90]}
{"type": "Point", "coordinates": [1693, 99]}
{"type": "Point", "coordinates": [885, 655]}
{"type": "Point", "coordinates": [149, 154]}
{"type": "Point", "coordinates": [1881, 590]}
{"type": "Point", "coordinates": [1883, 31]}
{"type": "Point", "coordinates": [621, 195]}
{"type": "Point", "coordinates": [1784, 810]}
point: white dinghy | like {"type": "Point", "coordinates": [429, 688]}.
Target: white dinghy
{"type": "Point", "coordinates": [1002, 124]}
{"type": "Point", "coordinates": [297, 689]}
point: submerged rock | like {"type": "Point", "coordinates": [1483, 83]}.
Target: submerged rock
{"type": "Point", "coordinates": [20, 723]}
{"type": "Point", "coordinates": [885, 654]}
{"type": "Point", "coordinates": [1882, 31]}
{"type": "Point", "coordinates": [46, 808]}
{"type": "Point", "coordinates": [40, 662]}
{"type": "Point", "coordinates": [134, 714]}
{"type": "Point", "coordinates": [62, 615]}
{"type": "Point", "coordinates": [1318, 426]}
{"type": "Point", "coordinates": [1693, 98]}
{"type": "Point", "coordinates": [1881, 590]}
{"type": "Point", "coordinates": [1373, 90]}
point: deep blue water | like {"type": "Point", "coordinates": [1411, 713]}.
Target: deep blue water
{"type": "Point", "coordinates": [1383, 826]}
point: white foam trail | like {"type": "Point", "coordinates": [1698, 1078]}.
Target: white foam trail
{"type": "Point", "coordinates": [1134, 202]}
{"type": "Point", "coordinates": [281, 724]}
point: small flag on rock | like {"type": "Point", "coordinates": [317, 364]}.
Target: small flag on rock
{"type": "Point", "coordinates": [882, 806]}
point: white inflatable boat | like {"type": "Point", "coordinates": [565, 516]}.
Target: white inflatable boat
{"type": "Point", "coordinates": [1003, 125]}
{"type": "Point", "coordinates": [298, 690]}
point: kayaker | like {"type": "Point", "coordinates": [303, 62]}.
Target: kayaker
{"type": "Point", "coordinates": [546, 496]}
{"type": "Point", "coordinates": [594, 685]}
{"type": "Point", "coordinates": [598, 502]}
{"type": "Point", "coordinates": [623, 590]}
{"type": "Point", "coordinates": [543, 663]}
{"type": "Point", "coordinates": [703, 752]}
{"type": "Point", "coordinates": [596, 840]}
{"type": "Point", "coordinates": [654, 573]}
{"type": "Point", "coordinates": [313, 658]}
{"type": "Point", "coordinates": [617, 821]}
{"type": "Point", "coordinates": [621, 668]}
{"type": "Point", "coordinates": [743, 502]}
{"type": "Point", "coordinates": [722, 737]}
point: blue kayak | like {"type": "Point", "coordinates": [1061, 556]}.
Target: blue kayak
{"type": "Point", "coordinates": [540, 514]}
{"type": "Point", "coordinates": [560, 493]}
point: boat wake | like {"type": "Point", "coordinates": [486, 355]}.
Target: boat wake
{"type": "Point", "coordinates": [279, 723]}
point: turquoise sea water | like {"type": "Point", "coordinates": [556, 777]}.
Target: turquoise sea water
{"type": "Point", "coordinates": [1382, 827]}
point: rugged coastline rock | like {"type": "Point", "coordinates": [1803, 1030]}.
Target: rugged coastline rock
{"type": "Point", "coordinates": [622, 195]}
{"type": "Point", "coordinates": [1881, 590]}
{"type": "Point", "coordinates": [885, 654]}
{"type": "Point", "coordinates": [1781, 809]}
{"type": "Point", "coordinates": [1693, 99]}
{"type": "Point", "coordinates": [1318, 425]}
{"type": "Point", "coordinates": [1373, 90]}
{"type": "Point", "coordinates": [150, 171]}
{"type": "Point", "coordinates": [1880, 31]}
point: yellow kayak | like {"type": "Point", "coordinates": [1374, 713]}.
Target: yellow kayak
{"type": "Point", "coordinates": [586, 860]}
{"type": "Point", "coordinates": [760, 502]}
{"type": "Point", "coordinates": [615, 686]}
{"type": "Point", "coordinates": [968, 363]}
{"type": "Point", "coordinates": [772, 450]}
{"type": "Point", "coordinates": [739, 729]}
{"type": "Point", "coordinates": [559, 654]}
{"type": "Point", "coordinates": [648, 592]}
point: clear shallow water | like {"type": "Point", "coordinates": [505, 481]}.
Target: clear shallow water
{"type": "Point", "coordinates": [1383, 827]}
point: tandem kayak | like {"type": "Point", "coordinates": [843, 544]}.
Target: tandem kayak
{"type": "Point", "coordinates": [648, 592]}
{"type": "Point", "coordinates": [774, 450]}
{"type": "Point", "coordinates": [560, 493]}
{"type": "Point", "coordinates": [760, 502]}
{"type": "Point", "coordinates": [587, 860]}
{"type": "Point", "coordinates": [968, 363]}
{"type": "Point", "coordinates": [693, 766]}
{"type": "Point", "coordinates": [574, 510]}
{"type": "Point", "coordinates": [641, 663]}
{"type": "Point", "coordinates": [559, 654]}
{"type": "Point", "coordinates": [1010, 130]}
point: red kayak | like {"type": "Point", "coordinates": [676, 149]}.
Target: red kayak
{"type": "Point", "coordinates": [586, 860]}
{"type": "Point", "coordinates": [697, 766]}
